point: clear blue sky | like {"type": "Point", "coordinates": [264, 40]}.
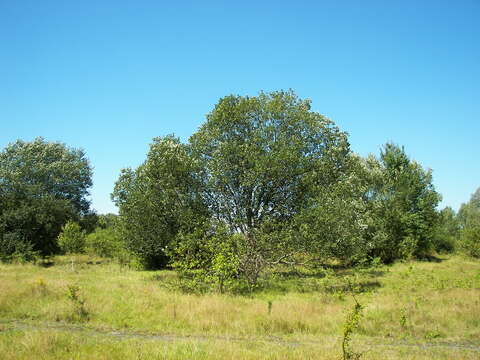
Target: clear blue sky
{"type": "Point", "coordinates": [108, 76]}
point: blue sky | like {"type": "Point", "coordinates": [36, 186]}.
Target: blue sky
{"type": "Point", "coordinates": [108, 76]}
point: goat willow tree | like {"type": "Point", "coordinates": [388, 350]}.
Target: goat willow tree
{"type": "Point", "coordinates": [261, 158]}
{"type": "Point", "coordinates": [249, 170]}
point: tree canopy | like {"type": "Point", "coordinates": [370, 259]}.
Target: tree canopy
{"type": "Point", "coordinates": [402, 203]}
{"type": "Point", "coordinates": [43, 184]}
{"type": "Point", "coordinates": [264, 181]}
{"type": "Point", "coordinates": [260, 157]}
{"type": "Point", "coordinates": [469, 222]}
{"type": "Point", "coordinates": [158, 199]}
{"type": "Point", "coordinates": [251, 167]}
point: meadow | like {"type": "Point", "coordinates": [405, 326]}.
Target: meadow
{"type": "Point", "coordinates": [80, 307]}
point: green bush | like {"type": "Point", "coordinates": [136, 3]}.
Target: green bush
{"type": "Point", "coordinates": [104, 243]}
{"type": "Point", "coordinates": [445, 244]}
{"type": "Point", "coordinates": [207, 258]}
{"type": "Point", "coordinates": [469, 219]}
{"type": "Point", "coordinates": [447, 231]}
{"type": "Point", "coordinates": [470, 240]}
{"type": "Point", "coordinates": [13, 247]}
{"type": "Point", "coordinates": [72, 239]}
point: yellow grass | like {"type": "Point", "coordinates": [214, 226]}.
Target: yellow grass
{"type": "Point", "coordinates": [434, 304]}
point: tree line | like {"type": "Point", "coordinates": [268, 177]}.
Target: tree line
{"type": "Point", "coordinates": [264, 182]}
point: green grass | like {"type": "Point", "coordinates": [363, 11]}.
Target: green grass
{"type": "Point", "coordinates": [432, 304]}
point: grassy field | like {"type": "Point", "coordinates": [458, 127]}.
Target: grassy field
{"type": "Point", "coordinates": [84, 310]}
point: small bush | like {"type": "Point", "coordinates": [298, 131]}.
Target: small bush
{"type": "Point", "coordinates": [206, 258]}
{"type": "Point", "coordinates": [350, 326]}
{"type": "Point", "coordinates": [40, 287]}
{"type": "Point", "coordinates": [103, 243]}
{"type": "Point", "coordinates": [447, 231]}
{"type": "Point", "coordinates": [80, 312]}
{"type": "Point", "coordinates": [14, 248]}
{"type": "Point", "coordinates": [445, 244]}
{"type": "Point", "coordinates": [72, 239]}
{"type": "Point", "coordinates": [106, 242]}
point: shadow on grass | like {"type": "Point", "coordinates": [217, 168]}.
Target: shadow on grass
{"type": "Point", "coordinates": [432, 258]}
{"type": "Point", "coordinates": [320, 273]}
{"type": "Point", "coordinates": [46, 263]}
{"type": "Point", "coordinates": [361, 287]}
{"type": "Point", "coordinates": [297, 274]}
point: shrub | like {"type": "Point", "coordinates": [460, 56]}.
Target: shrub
{"type": "Point", "coordinates": [470, 240]}
{"type": "Point", "coordinates": [14, 248]}
{"type": "Point", "coordinates": [447, 231]}
{"type": "Point", "coordinates": [350, 326]}
{"type": "Point", "coordinates": [445, 244]}
{"type": "Point", "coordinates": [72, 238]}
{"type": "Point", "coordinates": [80, 312]}
{"type": "Point", "coordinates": [207, 258]}
{"type": "Point", "coordinates": [469, 219]}
{"type": "Point", "coordinates": [104, 243]}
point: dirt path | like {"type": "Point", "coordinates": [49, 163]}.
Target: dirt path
{"type": "Point", "coordinates": [12, 325]}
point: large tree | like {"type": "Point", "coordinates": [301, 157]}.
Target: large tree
{"type": "Point", "coordinates": [249, 170]}
{"type": "Point", "coordinates": [42, 185]}
{"type": "Point", "coordinates": [262, 158]}
{"type": "Point", "coordinates": [261, 155]}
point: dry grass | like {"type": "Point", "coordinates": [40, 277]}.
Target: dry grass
{"type": "Point", "coordinates": [49, 345]}
{"type": "Point", "coordinates": [408, 303]}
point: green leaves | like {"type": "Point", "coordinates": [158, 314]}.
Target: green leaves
{"type": "Point", "coordinates": [267, 181]}
{"type": "Point", "coordinates": [38, 168]}
{"type": "Point", "coordinates": [447, 231]}
{"type": "Point", "coordinates": [209, 256]}
{"type": "Point", "coordinates": [261, 155]}
{"type": "Point", "coordinates": [158, 199]}
{"type": "Point", "coordinates": [469, 220]}
{"type": "Point", "coordinates": [251, 168]}
{"type": "Point", "coordinates": [262, 159]}
{"type": "Point", "coordinates": [43, 185]}
{"type": "Point", "coordinates": [72, 239]}
{"type": "Point", "coordinates": [334, 224]}
{"type": "Point", "coordinates": [402, 201]}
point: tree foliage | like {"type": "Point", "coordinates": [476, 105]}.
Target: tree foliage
{"type": "Point", "coordinates": [447, 231]}
{"type": "Point", "coordinates": [158, 199]}
{"type": "Point", "coordinates": [382, 207]}
{"type": "Point", "coordinates": [252, 166]}
{"type": "Point", "coordinates": [106, 241]}
{"type": "Point", "coordinates": [469, 220]}
{"type": "Point", "coordinates": [261, 159]}
{"type": "Point", "coordinates": [266, 181]}
{"type": "Point", "coordinates": [72, 239]}
{"type": "Point", "coordinates": [42, 186]}
{"type": "Point", "coordinates": [261, 155]}
{"type": "Point", "coordinates": [403, 205]}
{"type": "Point", "coordinates": [208, 257]}
{"type": "Point", "coordinates": [334, 225]}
